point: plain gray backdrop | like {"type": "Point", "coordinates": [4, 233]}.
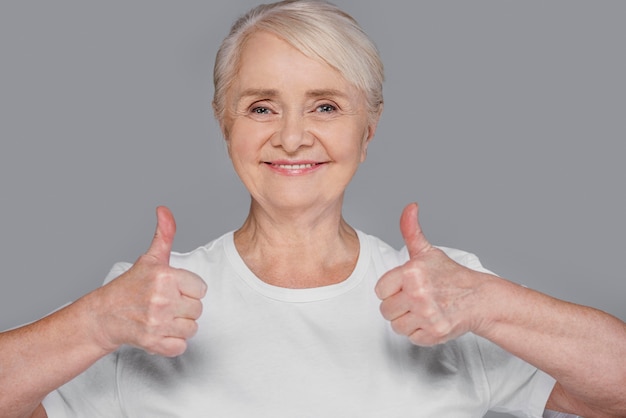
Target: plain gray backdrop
{"type": "Point", "coordinates": [505, 120]}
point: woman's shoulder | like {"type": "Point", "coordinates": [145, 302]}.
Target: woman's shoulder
{"type": "Point", "coordinates": [198, 258]}
{"type": "Point", "coordinates": [465, 258]}
{"type": "Point", "coordinates": [392, 256]}
{"type": "Point", "coordinates": [214, 252]}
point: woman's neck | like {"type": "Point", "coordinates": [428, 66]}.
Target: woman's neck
{"type": "Point", "coordinates": [298, 250]}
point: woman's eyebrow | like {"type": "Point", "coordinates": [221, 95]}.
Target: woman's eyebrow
{"type": "Point", "coordinates": [266, 93]}
{"type": "Point", "coordinates": [326, 93]}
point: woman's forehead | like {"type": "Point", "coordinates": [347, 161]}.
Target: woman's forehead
{"type": "Point", "coordinates": [270, 66]}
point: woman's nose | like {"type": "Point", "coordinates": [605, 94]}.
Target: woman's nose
{"type": "Point", "coordinates": [293, 133]}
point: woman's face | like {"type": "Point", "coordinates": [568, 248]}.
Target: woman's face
{"type": "Point", "coordinates": [296, 129]}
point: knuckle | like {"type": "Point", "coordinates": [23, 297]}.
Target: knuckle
{"type": "Point", "coordinates": [397, 327]}
{"type": "Point", "coordinates": [430, 313]}
{"type": "Point", "coordinates": [416, 340]}
{"type": "Point", "coordinates": [199, 310]}
{"type": "Point", "coordinates": [423, 339]}
{"type": "Point", "coordinates": [175, 348]}
{"type": "Point", "coordinates": [384, 310]}
{"type": "Point", "coordinates": [153, 323]}
{"type": "Point", "coordinates": [163, 278]}
{"type": "Point", "coordinates": [441, 330]}
{"type": "Point", "coordinates": [420, 338]}
{"type": "Point", "coordinates": [405, 325]}
{"type": "Point", "coordinates": [193, 329]}
{"type": "Point", "coordinates": [417, 293]}
{"type": "Point", "coordinates": [149, 343]}
{"type": "Point", "coordinates": [157, 301]}
{"type": "Point", "coordinates": [413, 271]}
{"type": "Point", "coordinates": [415, 287]}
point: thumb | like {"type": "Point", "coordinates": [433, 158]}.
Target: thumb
{"type": "Point", "coordinates": [412, 233]}
{"type": "Point", "coordinates": [161, 245]}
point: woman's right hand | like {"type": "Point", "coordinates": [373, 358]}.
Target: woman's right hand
{"type": "Point", "coordinates": [151, 306]}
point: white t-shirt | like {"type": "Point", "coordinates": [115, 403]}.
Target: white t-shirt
{"type": "Point", "coordinates": [265, 351]}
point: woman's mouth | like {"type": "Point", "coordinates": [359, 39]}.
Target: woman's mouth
{"type": "Point", "coordinates": [293, 168]}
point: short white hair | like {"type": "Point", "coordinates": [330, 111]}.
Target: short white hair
{"type": "Point", "coordinates": [319, 30]}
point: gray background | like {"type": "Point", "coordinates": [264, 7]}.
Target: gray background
{"type": "Point", "coordinates": [504, 120]}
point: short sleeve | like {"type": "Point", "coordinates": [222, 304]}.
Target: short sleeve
{"type": "Point", "coordinates": [91, 394]}
{"type": "Point", "coordinates": [117, 270]}
{"type": "Point", "coordinates": [515, 386]}
{"type": "Point", "coordinates": [94, 393]}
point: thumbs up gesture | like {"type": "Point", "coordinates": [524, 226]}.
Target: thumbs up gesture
{"type": "Point", "coordinates": [431, 299]}
{"type": "Point", "coordinates": [151, 306]}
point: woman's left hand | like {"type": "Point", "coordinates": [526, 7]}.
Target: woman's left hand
{"type": "Point", "coordinates": [431, 299]}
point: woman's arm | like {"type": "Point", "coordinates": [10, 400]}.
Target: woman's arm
{"type": "Point", "coordinates": [40, 357]}
{"type": "Point", "coordinates": [432, 299]}
{"type": "Point", "coordinates": [583, 348]}
{"type": "Point", "coordinates": [151, 306]}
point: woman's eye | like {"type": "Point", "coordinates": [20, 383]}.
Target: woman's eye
{"type": "Point", "coordinates": [326, 108]}
{"type": "Point", "coordinates": [259, 110]}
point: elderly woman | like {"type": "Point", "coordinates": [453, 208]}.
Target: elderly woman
{"type": "Point", "coordinates": [283, 317]}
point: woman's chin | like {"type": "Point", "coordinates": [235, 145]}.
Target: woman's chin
{"type": "Point", "coordinates": [301, 201]}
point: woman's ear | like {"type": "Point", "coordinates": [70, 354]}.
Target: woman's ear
{"type": "Point", "coordinates": [221, 120]}
{"type": "Point", "coordinates": [374, 122]}
{"type": "Point", "coordinates": [371, 130]}
{"type": "Point", "coordinates": [218, 117]}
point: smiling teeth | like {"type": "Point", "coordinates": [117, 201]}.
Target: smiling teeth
{"type": "Point", "coordinates": [294, 166]}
